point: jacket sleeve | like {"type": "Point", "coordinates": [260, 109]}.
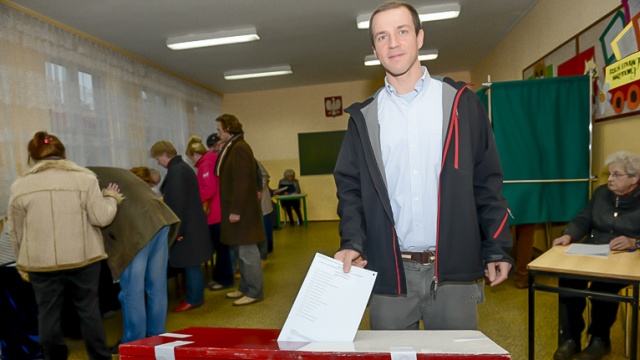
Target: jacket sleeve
{"type": "Point", "coordinates": [348, 184]}
{"type": "Point", "coordinates": [244, 178]}
{"type": "Point", "coordinates": [491, 206]}
{"type": "Point", "coordinates": [207, 182]}
{"type": "Point", "coordinates": [102, 205]}
{"type": "Point", "coordinates": [174, 195]}
{"type": "Point", "coordinates": [15, 222]}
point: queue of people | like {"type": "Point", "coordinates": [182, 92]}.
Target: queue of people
{"type": "Point", "coordinates": [79, 217]}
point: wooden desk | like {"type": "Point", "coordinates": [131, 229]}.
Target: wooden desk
{"type": "Point", "coordinates": [227, 343]}
{"type": "Point", "coordinates": [293, 197]}
{"type": "Point", "coordinates": [618, 267]}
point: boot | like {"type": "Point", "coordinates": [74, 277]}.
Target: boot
{"type": "Point", "coordinates": [597, 349]}
{"type": "Point", "coordinates": [566, 350]}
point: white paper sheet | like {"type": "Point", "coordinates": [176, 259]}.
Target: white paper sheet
{"type": "Point", "coordinates": [174, 335]}
{"type": "Point", "coordinates": [403, 353]}
{"type": "Point", "coordinates": [588, 249]}
{"type": "Point", "coordinates": [330, 303]}
{"type": "Point", "coordinates": [167, 351]}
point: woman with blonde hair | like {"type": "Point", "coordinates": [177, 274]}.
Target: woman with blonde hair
{"type": "Point", "coordinates": [209, 185]}
{"type": "Point", "coordinates": [56, 210]}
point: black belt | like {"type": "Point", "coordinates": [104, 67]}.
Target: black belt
{"type": "Point", "coordinates": [424, 257]}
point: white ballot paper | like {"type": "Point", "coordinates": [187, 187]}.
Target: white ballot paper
{"type": "Point", "coordinates": [330, 303]}
{"type": "Point", "coordinates": [588, 249]}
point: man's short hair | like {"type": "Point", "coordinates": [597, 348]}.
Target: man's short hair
{"type": "Point", "coordinates": [163, 147]}
{"type": "Point", "coordinates": [388, 5]}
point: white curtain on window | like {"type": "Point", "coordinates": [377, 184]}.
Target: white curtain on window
{"type": "Point", "coordinates": [107, 108]}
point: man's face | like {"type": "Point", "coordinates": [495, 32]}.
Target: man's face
{"type": "Point", "coordinates": [223, 135]}
{"type": "Point", "coordinates": [163, 160]}
{"type": "Point", "coordinates": [395, 42]}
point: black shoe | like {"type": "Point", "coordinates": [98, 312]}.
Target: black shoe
{"type": "Point", "coordinates": [597, 349]}
{"type": "Point", "coordinates": [114, 349]}
{"type": "Point", "coordinates": [566, 350]}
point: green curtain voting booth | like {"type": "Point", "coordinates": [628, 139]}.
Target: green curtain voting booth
{"type": "Point", "coordinates": [542, 130]}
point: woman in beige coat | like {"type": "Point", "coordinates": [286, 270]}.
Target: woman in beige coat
{"type": "Point", "coordinates": [56, 210]}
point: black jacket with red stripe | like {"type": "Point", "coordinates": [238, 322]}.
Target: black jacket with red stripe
{"type": "Point", "coordinates": [472, 224]}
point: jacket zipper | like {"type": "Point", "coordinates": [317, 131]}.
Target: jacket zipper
{"type": "Point", "coordinates": [395, 253]}
{"type": "Point", "coordinates": [453, 127]}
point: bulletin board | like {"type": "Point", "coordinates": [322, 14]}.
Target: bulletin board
{"type": "Point", "coordinates": [591, 50]}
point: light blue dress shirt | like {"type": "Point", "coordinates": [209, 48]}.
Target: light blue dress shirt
{"type": "Point", "coordinates": [411, 141]}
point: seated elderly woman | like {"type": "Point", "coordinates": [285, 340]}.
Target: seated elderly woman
{"type": "Point", "coordinates": [611, 217]}
{"type": "Point", "coordinates": [289, 185]}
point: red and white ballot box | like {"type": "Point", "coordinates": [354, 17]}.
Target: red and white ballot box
{"type": "Point", "coordinates": [231, 343]}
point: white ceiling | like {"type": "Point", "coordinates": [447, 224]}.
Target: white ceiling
{"type": "Point", "coordinates": [318, 38]}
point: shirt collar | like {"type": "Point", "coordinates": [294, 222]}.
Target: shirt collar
{"type": "Point", "coordinates": [422, 83]}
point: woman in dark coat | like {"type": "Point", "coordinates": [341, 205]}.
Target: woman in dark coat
{"type": "Point", "coordinates": [240, 207]}
{"type": "Point", "coordinates": [193, 245]}
{"type": "Point", "coordinates": [611, 217]}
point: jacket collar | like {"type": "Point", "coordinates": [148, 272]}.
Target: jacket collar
{"type": "Point", "coordinates": [44, 165]}
{"type": "Point", "coordinates": [225, 150]}
{"type": "Point", "coordinates": [627, 200]}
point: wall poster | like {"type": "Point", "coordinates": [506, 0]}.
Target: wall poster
{"type": "Point", "coordinates": [608, 48]}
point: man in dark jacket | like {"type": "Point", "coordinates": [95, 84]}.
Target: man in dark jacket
{"type": "Point", "coordinates": [419, 187]}
{"type": "Point", "coordinates": [137, 242]}
{"type": "Point", "coordinates": [241, 225]}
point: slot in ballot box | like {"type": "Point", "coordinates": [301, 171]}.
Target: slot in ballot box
{"type": "Point", "coordinates": [232, 343]}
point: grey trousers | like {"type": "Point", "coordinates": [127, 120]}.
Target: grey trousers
{"type": "Point", "coordinates": [250, 271]}
{"type": "Point", "coordinates": [454, 307]}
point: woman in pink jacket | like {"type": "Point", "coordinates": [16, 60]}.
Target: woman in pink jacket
{"type": "Point", "coordinates": [209, 185]}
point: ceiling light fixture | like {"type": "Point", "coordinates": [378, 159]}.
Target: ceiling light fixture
{"type": "Point", "coordinates": [424, 55]}
{"type": "Point", "coordinates": [255, 73]}
{"type": "Point", "coordinates": [212, 39]}
{"type": "Point", "coordinates": [427, 13]}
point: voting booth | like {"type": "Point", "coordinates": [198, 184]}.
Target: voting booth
{"type": "Point", "coordinates": [232, 343]}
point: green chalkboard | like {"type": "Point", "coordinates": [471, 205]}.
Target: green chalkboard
{"type": "Point", "coordinates": [318, 152]}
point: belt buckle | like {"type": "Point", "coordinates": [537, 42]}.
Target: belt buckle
{"type": "Point", "coordinates": [407, 256]}
{"type": "Point", "coordinates": [424, 257]}
{"type": "Point", "coordinates": [431, 257]}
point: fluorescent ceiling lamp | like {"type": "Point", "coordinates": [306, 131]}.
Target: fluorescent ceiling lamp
{"type": "Point", "coordinates": [427, 13]}
{"type": "Point", "coordinates": [255, 73]}
{"type": "Point", "coordinates": [371, 60]}
{"type": "Point", "coordinates": [212, 39]}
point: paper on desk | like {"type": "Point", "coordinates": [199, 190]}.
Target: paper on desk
{"type": "Point", "coordinates": [588, 249]}
{"type": "Point", "coordinates": [330, 303]}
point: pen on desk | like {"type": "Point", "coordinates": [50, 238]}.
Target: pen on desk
{"type": "Point", "coordinates": [623, 251]}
